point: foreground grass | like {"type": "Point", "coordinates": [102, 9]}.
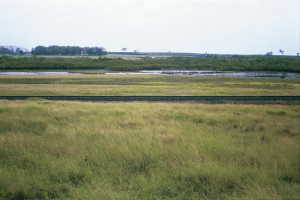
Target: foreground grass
{"type": "Point", "coordinates": [60, 150]}
{"type": "Point", "coordinates": [145, 85]}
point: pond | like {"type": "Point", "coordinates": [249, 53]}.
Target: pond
{"type": "Point", "coordinates": [215, 73]}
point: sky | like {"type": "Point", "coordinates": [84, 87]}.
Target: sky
{"type": "Point", "coordinates": [212, 26]}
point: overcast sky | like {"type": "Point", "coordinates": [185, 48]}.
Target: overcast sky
{"type": "Point", "coordinates": [213, 26]}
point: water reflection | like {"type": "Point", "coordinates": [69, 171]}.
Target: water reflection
{"type": "Point", "coordinates": [216, 73]}
{"type": "Point", "coordinates": [172, 72]}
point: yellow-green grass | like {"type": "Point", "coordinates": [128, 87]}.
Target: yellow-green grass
{"type": "Point", "coordinates": [145, 85]}
{"type": "Point", "coordinates": [134, 151]}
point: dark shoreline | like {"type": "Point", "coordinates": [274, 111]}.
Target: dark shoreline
{"type": "Point", "coordinates": [198, 99]}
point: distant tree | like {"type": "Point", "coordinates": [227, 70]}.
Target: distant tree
{"type": "Point", "coordinates": [39, 50]}
{"type": "Point", "coordinates": [269, 53]}
{"type": "Point", "coordinates": [19, 51]}
{"type": "Point", "coordinates": [281, 51]}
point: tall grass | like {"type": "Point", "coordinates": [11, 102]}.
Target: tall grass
{"type": "Point", "coordinates": [59, 150]}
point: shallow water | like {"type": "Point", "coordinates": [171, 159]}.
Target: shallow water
{"type": "Point", "coordinates": [173, 72]}
{"type": "Point", "coordinates": [216, 73]}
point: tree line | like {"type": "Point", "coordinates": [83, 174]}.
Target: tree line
{"type": "Point", "coordinates": [4, 50]}
{"type": "Point", "coordinates": [10, 51]}
{"type": "Point", "coordinates": [68, 50]}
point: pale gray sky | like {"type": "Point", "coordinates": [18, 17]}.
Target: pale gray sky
{"type": "Point", "coordinates": [215, 26]}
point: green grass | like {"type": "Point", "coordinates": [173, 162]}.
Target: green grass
{"type": "Point", "coordinates": [60, 150]}
{"type": "Point", "coordinates": [145, 85]}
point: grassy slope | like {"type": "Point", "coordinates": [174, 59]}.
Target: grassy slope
{"type": "Point", "coordinates": [236, 63]}
{"type": "Point", "coordinates": [145, 85]}
{"type": "Point", "coordinates": [148, 151]}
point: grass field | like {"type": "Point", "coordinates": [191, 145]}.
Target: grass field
{"type": "Point", "coordinates": [65, 85]}
{"type": "Point", "coordinates": [60, 150]}
{"type": "Point", "coordinates": [151, 151]}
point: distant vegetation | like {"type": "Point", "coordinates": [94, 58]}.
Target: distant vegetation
{"type": "Point", "coordinates": [4, 50]}
{"type": "Point", "coordinates": [230, 63]}
{"type": "Point", "coordinates": [68, 50]}
{"type": "Point", "coordinates": [12, 50]}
